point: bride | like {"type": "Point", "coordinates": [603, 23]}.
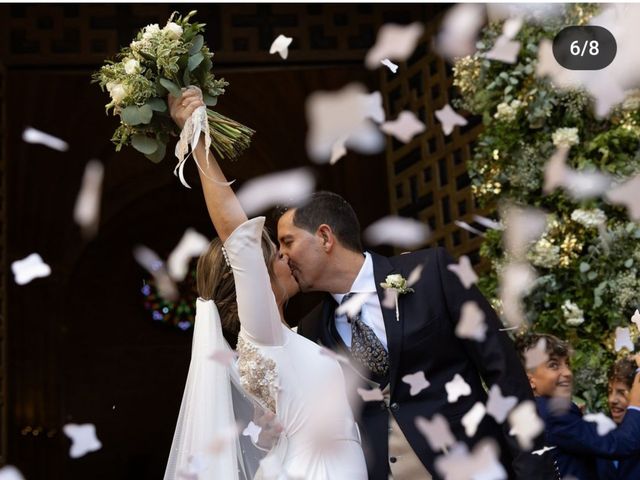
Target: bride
{"type": "Point", "coordinates": [244, 278]}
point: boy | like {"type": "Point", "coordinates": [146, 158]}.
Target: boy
{"type": "Point", "coordinates": [575, 442]}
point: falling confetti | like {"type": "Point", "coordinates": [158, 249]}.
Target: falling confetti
{"type": "Point", "coordinates": [281, 46]}
{"type": "Point", "coordinates": [603, 423]}
{"type": "Point", "coordinates": [457, 388]}
{"type": "Point", "coordinates": [523, 226]}
{"type": "Point", "coordinates": [482, 464]}
{"type": "Point", "coordinates": [252, 431]}
{"type": "Point", "coordinates": [623, 339]}
{"type": "Point", "coordinates": [83, 439]}
{"type": "Point", "coordinates": [504, 50]}
{"type": "Point", "coordinates": [459, 30]}
{"type": "Point", "coordinates": [449, 119]}
{"type": "Point", "coordinates": [390, 65]}
{"type": "Point", "coordinates": [537, 355]}
{"type": "Point", "coordinates": [417, 381]}
{"type": "Point", "coordinates": [627, 194]}
{"type": "Point", "coordinates": [498, 406]}
{"type": "Point", "coordinates": [405, 127]}
{"type": "Point", "coordinates": [415, 275]}
{"type": "Point", "coordinates": [436, 431]}
{"type": "Point", "coordinates": [86, 212]}
{"type": "Point", "coordinates": [192, 244]}
{"type": "Point", "coordinates": [543, 450]}
{"type": "Point", "coordinates": [9, 472]}
{"type": "Point", "coordinates": [472, 325]}
{"type": "Point", "coordinates": [636, 318]}
{"type": "Point", "coordinates": [394, 42]}
{"type": "Point", "coordinates": [525, 424]}
{"type": "Point", "coordinates": [32, 135]}
{"type": "Point", "coordinates": [516, 280]}
{"type": "Point", "coordinates": [29, 268]}
{"type": "Point", "coordinates": [288, 187]}
{"type": "Point", "coordinates": [397, 231]}
{"type": "Point", "coordinates": [353, 306]}
{"type": "Point", "coordinates": [375, 394]}
{"type": "Point", "coordinates": [472, 419]}
{"type": "Point", "coordinates": [346, 115]}
{"type": "Point", "coordinates": [149, 260]}
{"type": "Point", "coordinates": [464, 271]}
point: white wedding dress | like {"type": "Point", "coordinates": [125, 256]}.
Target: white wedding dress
{"type": "Point", "coordinates": [290, 374]}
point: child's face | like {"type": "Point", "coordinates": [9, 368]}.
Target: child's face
{"type": "Point", "coordinates": [552, 378]}
{"type": "Point", "coordinates": [618, 398]}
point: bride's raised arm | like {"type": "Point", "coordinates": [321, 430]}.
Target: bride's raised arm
{"type": "Point", "coordinates": [224, 208]}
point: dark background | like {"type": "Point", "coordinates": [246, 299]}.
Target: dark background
{"type": "Point", "coordinates": [78, 345]}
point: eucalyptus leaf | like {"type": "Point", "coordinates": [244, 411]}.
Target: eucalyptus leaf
{"type": "Point", "coordinates": [171, 87]}
{"type": "Point", "coordinates": [144, 144]}
{"type": "Point", "coordinates": [146, 113]}
{"type": "Point", "coordinates": [209, 100]}
{"type": "Point", "coordinates": [592, 275]}
{"type": "Point", "coordinates": [157, 104]}
{"type": "Point", "coordinates": [628, 263]}
{"type": "Point", "coordinates": [584, 267]}
{"type": "Point", "coordinates": [198, 42]}
{"type": "Point", "coordinates": [186, 78]}
{"type": "Point", "coordinates": [159, 154]}
{"type": "Point", "coordinates": [195, 60]}
{"type": "Point", "coordinates": [131, 115]}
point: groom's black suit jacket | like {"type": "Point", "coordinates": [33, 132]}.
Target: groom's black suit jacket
{"type": "Point", "coordinates": [425, 339]}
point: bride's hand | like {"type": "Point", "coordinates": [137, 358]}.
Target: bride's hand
{"type": "Point", "coordinates": [182, 108]}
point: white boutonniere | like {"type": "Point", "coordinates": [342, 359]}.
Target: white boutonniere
{"type": "Point", "coordinates": [399, 285]}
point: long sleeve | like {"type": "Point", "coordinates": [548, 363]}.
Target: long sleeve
{"type": "Point", "coordinates": [574, 434]}
{"type": "Point", "coordinates": [257, 308]}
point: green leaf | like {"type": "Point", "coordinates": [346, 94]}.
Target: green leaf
{"type": "Point", "coordinates": [198, 42]}
{"type": "Point", "coordinates": [157, 104]}
{"type": "Point", "coordinates": [171, 87]}
{"type": "Point", "coordinates": [158, 155]}
{"type": "Point", "coordinates": [146, 113]}
{"type": "Point", "coordinates": [131, 115]}
{"type": "Point", "coordinates": [209, 100]}
{"type": "Point", "coordinates": [195, 60]}
{"type": "Point", "coordinates": [584, 267]}
{"type": "Point", "coordinates": [144, 144]}
{"type": "Point", "coordinates": [628, 262]}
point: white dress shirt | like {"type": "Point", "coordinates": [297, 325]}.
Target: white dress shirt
{"type": "Point", "coordinates": [371, 313]}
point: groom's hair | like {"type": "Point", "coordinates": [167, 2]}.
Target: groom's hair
{"type": "Point", "coordinates": [330, 208]}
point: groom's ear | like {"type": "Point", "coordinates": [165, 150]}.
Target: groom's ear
{"type": "Point", "coordinates": [326, 236]}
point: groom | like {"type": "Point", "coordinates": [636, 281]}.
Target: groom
{"type": "Point", "coordinates": [322, 241]}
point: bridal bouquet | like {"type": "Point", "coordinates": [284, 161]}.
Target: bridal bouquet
{"type": "Point", "coordinates": [161, 61]}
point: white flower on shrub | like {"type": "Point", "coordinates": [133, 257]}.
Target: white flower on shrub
{"type": "Point", "coordinates": [118, 92]}
{"type": "Point", "coordinates": [507, 111]}
{"type": "Point", "coordinates": [173, 30]}
{"type": "Point", "coordinates": [132, 66]}
{"type": "Point", "coordinates": [573, 315]}
{"type": "Point", "coordinates": [589, 218]}
{"type": "Point", "coordinates": [150, 31]}
{"type": "Point", "coordinates": [565, 137]}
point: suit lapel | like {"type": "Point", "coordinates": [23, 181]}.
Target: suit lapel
{"type": "Point", "coordinates": [329, 306]}
{"type": "Point", "coordinates": [381, 268]}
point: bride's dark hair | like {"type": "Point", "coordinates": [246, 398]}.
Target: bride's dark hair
{"type": "Point", "coordinates": [214, 280]}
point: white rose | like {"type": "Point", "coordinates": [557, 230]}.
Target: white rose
{"type": "Point", "coordinates": [565, 137]}
{"type": "Point", "coordinates": [150, 31]}
{"type": "Point", "coordinates": [109, 86]}
{"type": "Point", "coordinates": [131, 66]}
{"type": "Point", "coordinates": [173, 30]}
{"type": "Point", "coordinates": [395, 279]}
{"type": "Point", "coordinates": [118, 92]}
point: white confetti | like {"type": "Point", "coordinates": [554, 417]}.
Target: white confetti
{"type": "Point", "coordinates": [623, 339]}
{"type": "Point", "coordinates": [394, 42]}
{"type": "Point", "coordinates": [196, 464]}
{"type": "Point", "coordinates": [449, 119]}
{"type": "Point", "coordinates": [498, 406]}
{"type": "Point", "coordinates": [29, 268]}
{"type": "Point", "coordinates": [436, 431]}
{"type": "Point", "coordinates": [338, 150]}
{"type": "Point", "coordinates": [9, 472]}
{"type": "Point", "coordinates": [627, 194]}
{"type": "Point", "coordinates": [390, 298]}
{"type": "Point", "coordinates": [415, 275]}
{"type": "Point", "coordinates": [457, 388]}
{"type": "Point", "coordinates": [459, 30]}
{"type": "Point", "coordinates": [635, 318]}
{"type": "Point", "coordinates": [347, 115]}
{"type": "Point", "coordinates": [516, 280]}
{"type": "Point", "coordinates": [86, 212]}
{"type": "Point", "coordinates": [471, 325]}
{"type": "Point", "coordinates": [472, 419]}
{"type": "Point", "coordinates": [83, 439]}
{"type": "Point", "coordinates": [352, 307]}
{"type": "Point", "coordinates": [604, 423]}
{"type": "Point", "coordinates": [543, 450]}
{"type": "Point", "coordinates": [149, 260]}
{"type": "Point", "coordinates": [523, 226]}
{"type": "Point", "coordinates": [192, 244]}
{"type": "Point", "coordinates": [281, 46]}
{"type": "Point", "coordinates": [525, 424]}
{"type": "Point", "coordinates": [487, 222]}
{"type": "Point", "coordinates": [390, 65]}
{"type": "Point", "coordinates": [537, 355]}
{"type": "Point", "coordinates": [223, 357]}
{"type": "Point", "coordinates": [375, 394]}
{"type": "Point", "coordinates": [252, 431]}
{"type": "Point", "coordinates": [464, 271]}
{"type": "Point", "coordinates": [288, 187]}
{"type": "Point", "coordinates": [417, 381]}
{"type": "Point", "coordinates": [397, 231]}
{"type": "Point", "coordinates": [482, 464]}
{"type": "Point", "coordinates": [468, 228]}
{"type": "Point", "coordinates": [511, 27]}
{"type": "Point", "coordinates": [33, 135]}
{"type": "Point", "coordinates": [405, 127]}
{"type": "Point", "coordinates": [504, 50]}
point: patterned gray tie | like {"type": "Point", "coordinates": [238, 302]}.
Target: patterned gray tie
{"type": "Point", "coordinates": [366, 347]}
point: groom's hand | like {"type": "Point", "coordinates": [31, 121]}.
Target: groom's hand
{"type": "Point", "coordinates": [181, 108]}
{"type": "Point", "coordinates": [270, 429]}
